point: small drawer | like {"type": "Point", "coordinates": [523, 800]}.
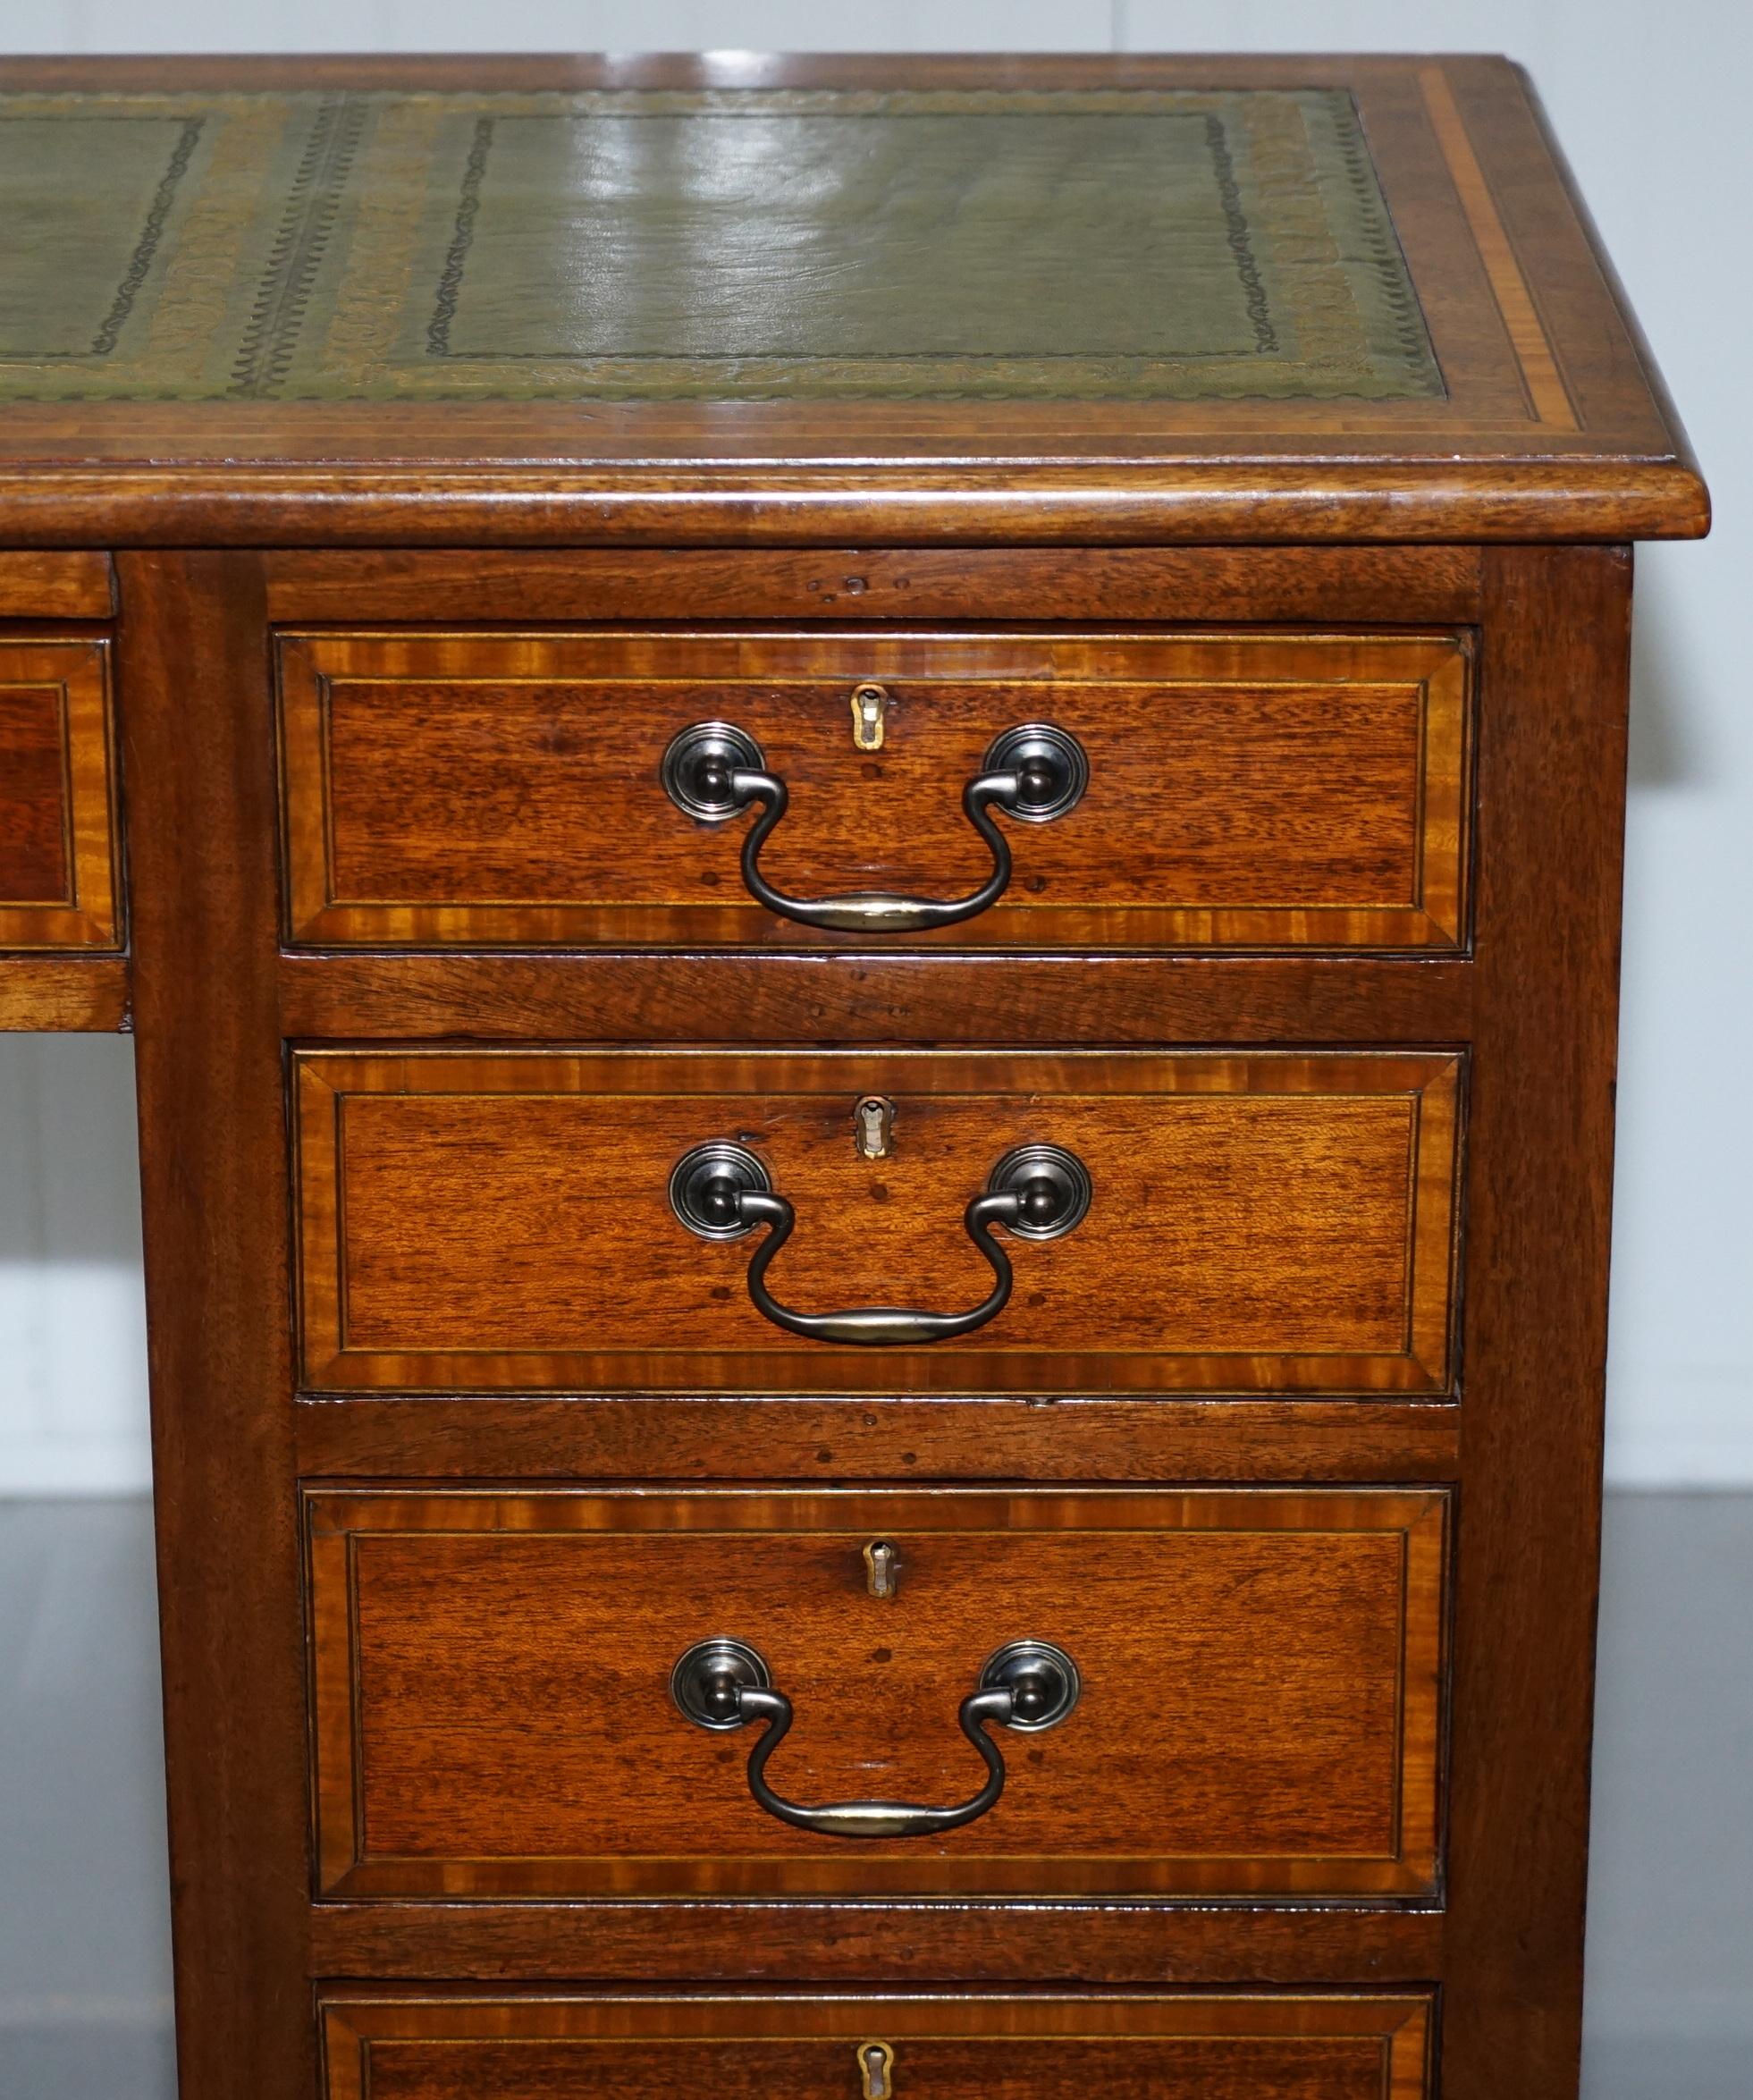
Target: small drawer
{"type": "Point", "coordinates": [1250, 791]}
{"type": "Point", "coordinates": [1179, 1694]}
{"type": "Point", "coordinates": [58, 876]}
{"type": "Point", "coordinates": [1279, 2045]}
{"type": "Point", "coordinates": [602, 1222]}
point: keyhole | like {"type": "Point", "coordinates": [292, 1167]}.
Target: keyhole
{"type": "Point", "coordinates": [874, 1121]}
{"type": "Point", "coordinates": [876, 2060]}
{"type": "Point", "coordinates": [870, 707]}
{"type": "Point", "coordinates": [882, 1569]}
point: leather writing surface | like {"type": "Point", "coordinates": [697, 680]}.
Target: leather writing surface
{"type": "Point", "coordinates": [700, 244]}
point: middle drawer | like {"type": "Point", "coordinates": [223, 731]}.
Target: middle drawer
{"type": "Point", "coordinates": [751, 1222]}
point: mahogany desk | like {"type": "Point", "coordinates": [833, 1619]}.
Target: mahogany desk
{"type": "Point", "coordinates": [862, 822]}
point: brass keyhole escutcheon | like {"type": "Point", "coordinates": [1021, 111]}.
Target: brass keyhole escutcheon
{"type": "Point", "coordinates": [873, 1120]}
{"type": "Point", "coordinates": [876, 2065]}
{"type": "Point", "coordinates": [882, 1569]}
{"type": "Point", "coordinates": [870, 708]}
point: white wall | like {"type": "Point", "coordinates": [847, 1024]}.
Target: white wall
{"type": "Point", "coordinates": [1650, 101]}
{"type": "Point", "coordinates": [72, 1331]}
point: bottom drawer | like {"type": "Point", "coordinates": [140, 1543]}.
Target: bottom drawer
{"type": "Point", "coordinates": [1195, 2047]}
{"type": "Point", "coordinates": [509, 1691]}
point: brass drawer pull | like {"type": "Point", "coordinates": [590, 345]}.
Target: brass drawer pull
{"type": "Point", "coordinates": [1034, 772]}
{"type": "Point", "coordinates": [1027, 1685]}
{"type": "Point", "coordinates": [720, 1190]}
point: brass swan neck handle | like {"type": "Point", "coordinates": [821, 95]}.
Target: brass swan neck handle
{"type": "Point", "coordinates": [721, 1191]}
{"type": "Point", "coordinates": [1034, 772]}
{"type": "Point", "coordinates": [724, 1683]}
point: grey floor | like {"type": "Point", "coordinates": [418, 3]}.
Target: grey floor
{"type": "Point", "coordinates": [84, 1963]}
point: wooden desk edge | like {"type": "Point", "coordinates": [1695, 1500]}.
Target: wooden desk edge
{"type": "Point", "coordinates": [988, 501]}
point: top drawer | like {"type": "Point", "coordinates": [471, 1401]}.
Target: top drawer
{"type": "Point", "coordinates": [57, 821]}
{"type": "Point", "coordinates": [1206, 791]}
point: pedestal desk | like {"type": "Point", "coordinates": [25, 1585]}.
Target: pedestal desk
{"type": "Point", "coordinates": [861, 820]}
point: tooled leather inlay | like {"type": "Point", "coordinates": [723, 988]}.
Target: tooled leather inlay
{"type": "Point", "coordinates": [799, 244]}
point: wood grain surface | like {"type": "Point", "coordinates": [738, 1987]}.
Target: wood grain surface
{"type": "Point", "coordinates": [1262, 1686]}
{"type": "Point", "coordinates": [873, 1437]}
{"type": "Point", "coordinates": [62, 994]}
{"type": "Point", "coordinates": [1308, 586]}
{"type": "Point", "coordinates": [39, 586]}
{"type": "Point", "coordinates": [1337, 2047]}
{"type": "Point", "coordinates": [1246, 791]}
{"type": "Point", "coordinates": [59, 857]}
{"type": "Point", "coordinates": [759, 997]}
{"type": "Point", "coordinates": [495, 1220]}
{"type": "Point", "coordinates": [1551, 813]}
{"type": "Point", "coordinates": [889, 1942]}
{"type": "Point", "coordinates": [213, 1153]}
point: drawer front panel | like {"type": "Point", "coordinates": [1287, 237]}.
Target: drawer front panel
{"type": "Point", "coordinates": [58, 884]}
{"type": "Point", "coordinates": [502, 1221]}
{"type": "Point", "coordinates": [1244, 791]}
{"type": "Point", "coordinates": [1259, 1677]}
{"type": "Point", "coordinates": [1218, 2048]}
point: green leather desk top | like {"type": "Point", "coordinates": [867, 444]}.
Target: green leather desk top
{"type": "Point", "coordinates": [700, 245]}
{"type": "Point", "coordinates": [831, 301]}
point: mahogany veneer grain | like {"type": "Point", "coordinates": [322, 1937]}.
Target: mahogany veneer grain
{"type": "Point", "coordinates": [57, 994]}
{"type": "Point", "coordinates": [35, 585]}
{"type": "Point", "coordinates": [59, 847]}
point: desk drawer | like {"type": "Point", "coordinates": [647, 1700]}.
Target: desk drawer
{"type": "Point", "coordinates": [1222, 2046]}
{"type": "Point", "coordinates": [58, 880]}
{"type": "Point", "coordinates": [1237, 790]}
{"type": "Point", "coordinates": [1246, 1684]}
{"type": "Point", "coordinates": [510, 1220]}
